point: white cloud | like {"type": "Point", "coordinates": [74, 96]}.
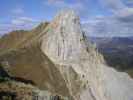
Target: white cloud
{"type": "Point", "coordinates": [108, 26]}
{"type": "Point", "coordinates": [53, 1]}
{"type": "Point", "coordinates": [113, 4]}
{"type": "Point", "coordinates": [118, 7]}
{"type": "Point", "coordinates": [119, 24]}
{"type": "Point", "coordinates": [17, 10]}
{"type": "Point", "coordinates": [129, 2]}
{"type": "Point", "coordinates": [19, 23]}
{"type": "Point", "coordinates": [23, 21]}
{"type": "Point", "coordinates": [62, 4]}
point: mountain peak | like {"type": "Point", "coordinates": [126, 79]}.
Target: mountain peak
{"type": "Point", "coordinates": [66, 13]}
{"type": "Point", "coordinates": [64, 39]}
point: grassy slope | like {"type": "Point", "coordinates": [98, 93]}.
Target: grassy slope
{"type": "Point", "coordinates": [130, 72]}
{"type": "Point", "coordinates": [22, 52]}
{"type": "Point", "coordinates": [18, 39]}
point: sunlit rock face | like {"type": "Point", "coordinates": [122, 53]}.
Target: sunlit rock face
{"type": "Point", "coordinates": [65, 44]}
{"type": "Point", "coordinates": [83, 69]}
{"type": "Point", "coordinates": [60, 60]}
{"type": "Point", "coordinates": [64, 40]}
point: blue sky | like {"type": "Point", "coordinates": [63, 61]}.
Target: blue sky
{"type": "Point", "coordinates": [100, 17]}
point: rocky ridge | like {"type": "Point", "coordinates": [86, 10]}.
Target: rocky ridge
{"type": "Point", "coordinates": [58, 59]}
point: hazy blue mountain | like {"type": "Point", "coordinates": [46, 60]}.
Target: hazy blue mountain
{"type": "Point", "coordinates": [118, 51]}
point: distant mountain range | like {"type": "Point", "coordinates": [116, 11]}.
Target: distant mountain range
{"type": "Point", "coordinates": [117, 51]}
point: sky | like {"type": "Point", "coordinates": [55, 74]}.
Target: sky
{"type": "Point", "coordinates": [98, 17]}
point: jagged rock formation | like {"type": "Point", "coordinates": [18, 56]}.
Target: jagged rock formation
{"type": "Point", "coordinates": [57, 58]}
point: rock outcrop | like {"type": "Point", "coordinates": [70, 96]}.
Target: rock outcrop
{"type": "Point", "coordinates": [58, 59]}
{"type": "Point", "coordinates": [11, 90]}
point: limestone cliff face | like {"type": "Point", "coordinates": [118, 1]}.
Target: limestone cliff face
{"type": "Point", "coordinates": [65, 44]}
{"type": "Point", "coordinates": [59, 60]}
{"type": "Point", "coordinates": [64, 40]}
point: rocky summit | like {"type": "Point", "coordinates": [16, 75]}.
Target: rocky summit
{"type": "Point", "coordinates": [57, 57]}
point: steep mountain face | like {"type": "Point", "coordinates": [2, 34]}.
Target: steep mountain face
{"type": "Point", "coordinates": [58, 59]}
{"type": "Point", "coordinates": [64, 40]}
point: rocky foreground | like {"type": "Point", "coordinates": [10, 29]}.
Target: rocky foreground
{"type": "Point", "coordinates": [56, 57]}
